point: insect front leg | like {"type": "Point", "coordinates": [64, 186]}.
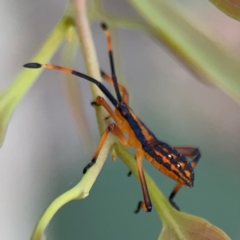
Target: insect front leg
{"type": "Point", "coordinates": [187, 152]}
{"type": "Point", "coordinates": [100, 101]}
{"type": "Point", "coordinates": [112, 128]}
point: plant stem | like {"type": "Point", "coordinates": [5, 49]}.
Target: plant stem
{"type": "Point", "coordinates": [89, 54]}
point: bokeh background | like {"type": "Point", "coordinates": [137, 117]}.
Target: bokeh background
{"type": "Point", "coordinates": [43, 154]}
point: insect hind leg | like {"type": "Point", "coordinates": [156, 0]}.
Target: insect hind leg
{"type": "Point", "coordinates": [187, 152]}
{"type": "Point", "coordinates": [146, 205]}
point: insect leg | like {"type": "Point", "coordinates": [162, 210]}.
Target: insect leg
{"type": "Point", "coordinates": [146, 205]}
{"type": "Point", "coordinates": [173, 194]}
{"type": "Point", "coordinates": [125, 95]}
{"type": "Point", "coordinates": [113, 128]}
{"type": "Point", "coordinates": [190, 152]}
{"type": "Point", "coordinates": [187, 152]}
{"type": "Point", "coordinates": [100, 101]}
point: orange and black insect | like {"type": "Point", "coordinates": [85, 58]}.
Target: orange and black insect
{"type": "Point", "coordinates": [170, 161]}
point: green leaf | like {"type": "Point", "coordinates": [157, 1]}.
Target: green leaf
{"type": "Point", "coordinates": [191, 228]}
{"type": "Point", "coordinates": [229, 7]}
{"type": "Point", "coordinates": [192, 47]}
{"type": "Point", "coordinates": [10, 98]}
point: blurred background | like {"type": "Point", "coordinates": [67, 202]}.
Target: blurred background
{"type": "Point", "coordinates": [43, 154]}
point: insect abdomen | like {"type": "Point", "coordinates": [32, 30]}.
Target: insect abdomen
{"type": "Point", "coordinates": [168, 161]}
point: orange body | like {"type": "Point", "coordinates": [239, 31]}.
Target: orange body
{"type": "Point", "coordinates": [163, 157]}
{"type": "Point", "coordinates": [172, 162]}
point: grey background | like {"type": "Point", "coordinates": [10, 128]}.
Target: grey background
{"type": "Point", "coordinates": [42, 155]}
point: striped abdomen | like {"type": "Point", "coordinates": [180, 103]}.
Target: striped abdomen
{"type": "Point", "coordinates": [169, 162]}
{"type": "Point", "coordinates": [165, 158]}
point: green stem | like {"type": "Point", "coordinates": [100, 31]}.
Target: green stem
{"type": "Point", "coordinates": [89, 54]}
{"type": "Point", "coordinates": [81, 190]}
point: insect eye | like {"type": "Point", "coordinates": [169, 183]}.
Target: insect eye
{"type": "Point", "coordinates": [170, 155]}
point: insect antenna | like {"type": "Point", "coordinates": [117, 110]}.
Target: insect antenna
{"type": "Point", "coordinates": [110, 54]}
{"type": "Point", "coordinates": [79, 74]}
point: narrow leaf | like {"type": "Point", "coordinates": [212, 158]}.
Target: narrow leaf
{"type": "Point", "coordinates": [229, 7]}
{"type": "Point", "coordinates": [10, 98]}
{"type": "Point", "coordinates": [196, 50]}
